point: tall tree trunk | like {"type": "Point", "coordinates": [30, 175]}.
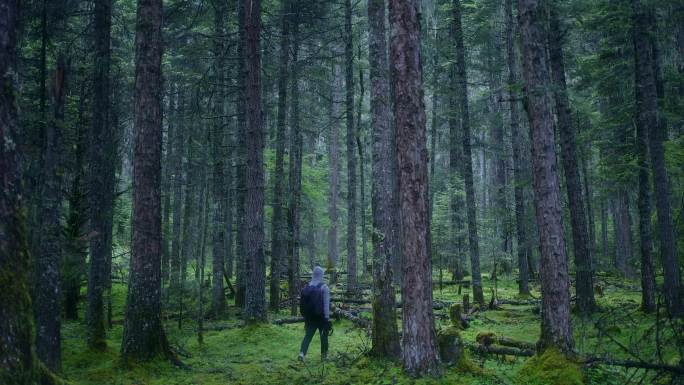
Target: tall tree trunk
{"type": "Point", "coordinates": [255, 265]}
{"type": "Point", "coordinates": [555, 281]}
{"type": "Point", "coordinates": [333, 154]}
{"type": "Point", "coordinates": [166, 185]}
{"type": "Point", "coordinates": [240, 160]}
{"type": "Point", "coordinates": [19, 363]}
{"type": "Point", "coordinates": [362, 179]}
{"type": "Point", "coordinates": [623, 232]}
{"type": "Point", "coordinates": [295, 170]}
{"type": "Point", "coordinates": [467, 158]}
{"type": "Point", "coordinates": [48, 317]}
{"type": "Point", "coordinates": [218, 297]}
{"type": "Point", "coordinates": [100, 178]}
{"type": "Point", "coordinates": [201, 263]}
{"type": "Point", "coordinates": [351, 150]}
{"type": "Point", "coordinates": [516, 138]}
{"type": "Point", "coordinates": [648, 288]}
{"type": "Point", "coordinates": [279, 229]}
{"type": "Point", "coordinates": [419, 343]}
{"type": "Point", "coordinates": [584, 275]}
{"type": "Point", "coordinates": [76, 246]}
{"type": "Point", "coordinates": [385, 334]}
{"type": "Point", "coordinates": [143, 334]}
{"type": "Point", "coordinates": [647, 104]}
{"type": "Point", "coordinates": [179, 151]}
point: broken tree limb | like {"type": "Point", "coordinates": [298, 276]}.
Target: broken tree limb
{"type": "Point", "coordinates": [634, 364]}
{"type": "Point", "coordinates": [503, 350]}
{"type": "Point", "coordinates": [292, 320]}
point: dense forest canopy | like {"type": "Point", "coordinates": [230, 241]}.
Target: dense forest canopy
{"type": "Point", "coordinates": [494, 190]}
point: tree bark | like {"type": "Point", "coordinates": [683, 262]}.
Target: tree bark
{"type": "Point", "coordinates": [143, 334]}
{"type": "Point", "coordinates": [47, 295]}
{"type": "Point", "coordinates": [255, 265]}
{"type": "Point", "coordinates": [179, 151]}
{"type": "Point", "coordinates": [240, 159]}
{"type": "Point", "coordinates": [584, 275]}
{"type": "Point", "coordinates": [420, 354]}
{"type": "Point", "coordinates": [385, 334]}
{"type": "Point", "coordinates": [101, 183]}
{"type": "Point", "coordinates": [295, 170]}
{"type": "Point", "coordinates": [279, 229]}
{"type": "Point", "coordinates": [555, 282]}
{"type": "Point", "coordinates": [516, 138]}
{"type": "Point", "coordinates": [362, 179]}
{"type": "Point", "coordinates": [467, 158]}
{"type": "Point", "coordinates": [218, 297]}
{"type": "Point", "coordinates": [351, 148]}
{"type": "Point", "coordinates": [333, 154]}
{"type": "Point", "coordinates": [648, 118]}
{"type": "Point", "coordinates": [19, 363]}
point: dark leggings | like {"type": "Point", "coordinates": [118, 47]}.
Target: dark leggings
{"type": "Point", "coordinates": [310, 327]}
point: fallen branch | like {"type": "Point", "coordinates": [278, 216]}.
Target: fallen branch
{"type": "Point", "coordinates": [292, 320]}
{"type": "Point", "coordinates": [634, 364]}
{"type": "Point", "coordinates": [491, 349]}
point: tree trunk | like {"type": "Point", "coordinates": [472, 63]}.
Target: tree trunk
{"type": "Point", "coordinates": [100, 178]}
{"type": "Point", "coordinates": [420, 353]}
{"type": "Point", "coordinates": [647, 105]}
{"type": "Point", "coordinates": [295, 170]}
{"type": "Point", "coordinates": [19, 363]}
{"type": "Point", "coordinates": [241, 97]}
{"type": "Point", "coordinates": [362, 179]}
{"type": "Point", "coordinates": [385, 334]}
{"type": "Point", "coordinates": [555, 282]}
{"type": "Point", "coordinates": [467, 158]}
{"type": "Point", "coordinates": [143, 334]}
{"type": "Point", "coordinates": [516, 138]}
{"type": "Point", "coordinates": [179, 151]}
{"type": "Point", "coordinates": [623, 233]}
{"type": "Point", "coordinates": [255, 266]}
{"type": "Point", "coordinates": [351, 150]}
{"type": "Point", "coordinates": [333, 154]}
{"type": "Point", "coordinates": [584, 275]}
{"type": "Point", "coordinates": [167, 176]}
{"type": "Point", "coordinates": [279, 229]}
{"type": "Point", "coordinates": [218, 297]}
{"type": "Point", "coordinates": [648, 288]}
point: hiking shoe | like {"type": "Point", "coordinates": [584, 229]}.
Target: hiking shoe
{"type": "Point", "coordinates": [301, 357]}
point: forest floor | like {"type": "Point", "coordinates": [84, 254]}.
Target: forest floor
{"type": "Point", "coordinates": [267, 354]}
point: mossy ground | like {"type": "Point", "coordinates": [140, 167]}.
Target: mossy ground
{"type": "Point", "coordinates": [267, 354]}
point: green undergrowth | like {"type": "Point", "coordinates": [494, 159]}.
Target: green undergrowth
{"type": "Point", "coordinates": [551, 368]}
{"type": "Point", "coordinates": [266, 354]}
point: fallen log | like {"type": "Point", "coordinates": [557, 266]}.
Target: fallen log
{"type": "Point", "coordinates": [503, 350]}
{"type": "Point", "coordinates": [292, 320]}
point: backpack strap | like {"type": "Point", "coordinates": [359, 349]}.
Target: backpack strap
{"type": "Point", "coordinates": [320, 285]}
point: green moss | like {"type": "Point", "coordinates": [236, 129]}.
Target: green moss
{"type": "Point", "coordinates": [551, 368]}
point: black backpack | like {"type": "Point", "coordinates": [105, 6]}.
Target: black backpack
{"type": "Point", "coordinates": [311, 301]}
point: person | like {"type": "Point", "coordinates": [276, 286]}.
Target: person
{"type": "Point", "coordinates": [314, 304]}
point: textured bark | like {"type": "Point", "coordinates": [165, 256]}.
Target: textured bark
{"type": "Point", "coordinates": [143, 334]}
{"type": "Point", "coordinates": [18, 362]}
{"type": "Point", "coordinates": [333, 154]}
{"type": "Point", "coordinates": [516, 138]}
{"type": "Point", "coordinates": [47, 295]}
{"type": "Point", "coordinates": [295, 171]}
{"type": "Point", "coordinates": [167, 175]}
{"type": "Point", "coordinates": [420, 354]}
{"type": "Point", "coordinates": [351, 147]}
{"type": "Point", "coordinates": [467, 158]}
{"type": "Point", "coordinates": [255, 265]}
{"type": "Point", "coordinates": [240, 154]}
{"type": "Point", "coordinates": [555, 282]}
{"type": "Point", "coordinates": [218, 297]}
{"type": "Point", "coordinates": [279, 226]}
{"type": "Point", "coordinates": [362, 174]}
{"type": "Point", "coordinates": [385, 334]}
{"type": "Point", "coordinates": [647, 105]}
{"type": "Point", "coordinates": [101, 182]}
{"type": "Point", "coordinates": [648, 300]}
{"type": "Point", "coordinates": [584, 275]}
{"type": "Point", "coordinates": [623, 232]}
{"type": "Point", "coordinates": [179, 150]}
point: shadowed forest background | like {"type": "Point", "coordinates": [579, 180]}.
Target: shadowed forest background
{"type": "Point", "coordinates": [495, 190]}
